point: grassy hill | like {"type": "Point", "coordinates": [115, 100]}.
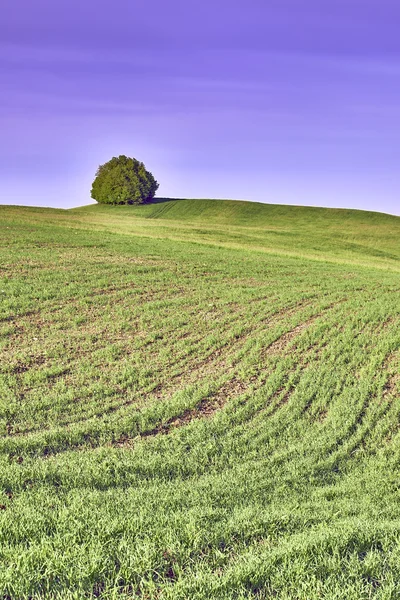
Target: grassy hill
{"type": "Point", "coordinates": [199, 399]}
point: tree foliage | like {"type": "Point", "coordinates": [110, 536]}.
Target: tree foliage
{"type": "Point", "coordinates": [123, 180]}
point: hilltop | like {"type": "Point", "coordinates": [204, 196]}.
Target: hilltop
{"type": "Point", "coordinates": [341, 235]}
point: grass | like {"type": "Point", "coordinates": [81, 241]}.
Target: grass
{"type": "Point", "coordinates": [199, 399]}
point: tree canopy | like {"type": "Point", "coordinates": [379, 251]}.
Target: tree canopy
{"type": "Point", "coordinates": [123, 180]}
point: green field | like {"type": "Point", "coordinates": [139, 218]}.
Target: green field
{"type": "Point", "coordinates": [199, 399]}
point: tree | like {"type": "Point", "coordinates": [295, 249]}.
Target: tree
{"type": "Point", "coordinates": [123, 180]}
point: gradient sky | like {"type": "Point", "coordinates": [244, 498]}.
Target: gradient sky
{"type": "Point", "coordinates": [292, 101]}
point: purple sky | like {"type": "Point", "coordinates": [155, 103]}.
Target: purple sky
{"type": "Point", "coordinates": [294, 101]}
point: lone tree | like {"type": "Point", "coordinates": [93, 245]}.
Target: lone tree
{"type": "Point", "coordinates": [123, 180]}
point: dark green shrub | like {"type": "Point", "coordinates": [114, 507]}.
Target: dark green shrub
{"type": "Point", "coordinates": [123, 180]}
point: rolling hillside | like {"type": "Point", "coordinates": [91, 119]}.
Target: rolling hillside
{"type": "Point", "coordinates": [199, 399]}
